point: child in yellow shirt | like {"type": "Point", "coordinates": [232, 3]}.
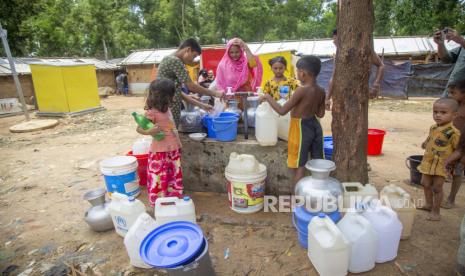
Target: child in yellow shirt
{"type": "Point", "coordinates": [279, 66]}
{"type": "Point", "coordinates": [441, 142]}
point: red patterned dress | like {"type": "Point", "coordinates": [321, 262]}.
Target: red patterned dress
{"type": "Point", "coordinates": [164, 165]}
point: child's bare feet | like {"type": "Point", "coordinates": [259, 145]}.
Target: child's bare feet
{"type": "Point", "coordinates": [433, 217]}
{"type": "Point", "coordinates": [447, 204]}
{"type": "Point", "coordinates": [424, 208]}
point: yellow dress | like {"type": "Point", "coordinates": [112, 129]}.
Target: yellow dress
{"type": "Point", "coordinates": [441, 142]}
{"type": "Point", "coordinates": [272, 87]}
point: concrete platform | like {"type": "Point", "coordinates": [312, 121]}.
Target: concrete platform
{"type": "Point", "coordinates": [204, 163]}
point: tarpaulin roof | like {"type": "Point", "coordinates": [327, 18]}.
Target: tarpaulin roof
{"type": "Point", "coordinates": [391, 46]}
{"type": "Point", "coordinates": [22, 64]}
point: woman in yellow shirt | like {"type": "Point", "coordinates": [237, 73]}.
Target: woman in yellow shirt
{"type": "Point", "coordinates": [279, 66]}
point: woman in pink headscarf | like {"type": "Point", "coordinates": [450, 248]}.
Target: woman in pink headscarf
{"type": "Point", "coordinates": [238, 68]}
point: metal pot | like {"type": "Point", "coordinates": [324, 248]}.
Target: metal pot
{"type": "Point", "coordinates": [98, 217]}
{"type": "Point", "coordinates": [191, 119]}
{"type": "Point", "coordinates": [320, 191]}
{"type": "Point", "coordinates": [253, 104]}
{"type": "Point", "coordinates": [233, 107]}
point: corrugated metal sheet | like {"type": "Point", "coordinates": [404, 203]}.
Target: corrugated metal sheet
{"type": "Point", "coordinates": [22, 64]}
{"type": "Point", "coordinates": [391, 46]}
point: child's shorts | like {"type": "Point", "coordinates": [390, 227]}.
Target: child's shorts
{"type": "Point", "coordinates": [305, 136]}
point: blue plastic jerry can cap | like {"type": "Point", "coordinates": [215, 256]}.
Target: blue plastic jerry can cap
{"type": "Point", "coordinates": [321, 215]}
{"type": "Point", "coordinates": [186, 198]}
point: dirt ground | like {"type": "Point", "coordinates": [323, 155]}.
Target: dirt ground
{"type": "Point", "coordinates": [44, 174]}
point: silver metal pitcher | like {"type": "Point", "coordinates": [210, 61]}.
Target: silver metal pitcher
{"type": "Point", "coordinates": [321, 192]}
{"type": "Point", "coordinates": [98, 217]}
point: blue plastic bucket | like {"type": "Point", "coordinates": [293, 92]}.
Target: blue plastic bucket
{"type": "Point", "coordinates": [328, 147]}
{"type": "Point", "coordinates": [207, 122]}
{"type": "Point", "coordinates": [225, 128]}
{"type": "Point", "coordinates": [120, 174]}
{"type": "Point", "coordinates": [301, 218]}
{"type": "Point", "coordinates": [228, 114]}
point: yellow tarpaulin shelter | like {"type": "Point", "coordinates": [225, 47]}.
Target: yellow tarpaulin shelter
{"type": "Point", "coordinates": [65, 88]}
{"type": "Point", "coordinates": [267, 73]}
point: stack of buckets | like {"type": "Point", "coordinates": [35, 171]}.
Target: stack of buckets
{"type": "Point", "coordinates": [120, 175]}
{"type": "Point", "coordinates": [179, 247]}
{"type": "Point", "coordinates": [223, 127]}
{"type": "Point", "coordinates": [119, 172]}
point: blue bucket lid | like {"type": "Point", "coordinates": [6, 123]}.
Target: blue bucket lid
{"type": "Point", "coordinates": [172, 244]}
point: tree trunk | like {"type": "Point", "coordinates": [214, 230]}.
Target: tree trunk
{"type": "Point", "coordinates": [350, 91]}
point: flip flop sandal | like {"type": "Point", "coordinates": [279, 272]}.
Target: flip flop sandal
{"type": "Point", "coordinates": [424, 208]}
{"type": "Point", "coordinates": [433, 219]}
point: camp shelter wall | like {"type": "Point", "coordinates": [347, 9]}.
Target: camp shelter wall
{"type": "Point", "coordinates": [394, 83]}
{"type": "Point", "coordinates": [139, 77]}
{"type": "Point", "coordinates": [211, 57]}
{"type": "Point", "coordinates": [106, 78]}
{"type": "Point", "coordinates": [429, 79]}
{"type": "Point", "coordinates": [268, 73]}
{"type": "Point", "coordinates": [65, 89]}
{"type": "Point", "coordinates": [8, 88]}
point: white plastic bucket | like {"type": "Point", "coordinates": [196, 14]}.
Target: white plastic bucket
{"type": "Point", "coordinates": [245, 183]}
{"type": "Point", "coordinates": [246, 193]}
{"type": "Point", "coordinates": [120, 174]}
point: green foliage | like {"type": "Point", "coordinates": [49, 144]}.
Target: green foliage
{"type": "Point", "coordinates": [81, 27]}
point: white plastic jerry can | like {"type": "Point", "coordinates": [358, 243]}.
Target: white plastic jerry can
{"type": "Point", "coordinates": [169, 209]}
{"type": "Point", "coordinates": [124, 211]}
{"type": "Point", "coordinates": [355, 192]}
{"type": "Point", "coordinates": [363, 240]}
{"type": "Point", "coordinates": [389, 228]}
{"type": "Point", "coordinates": [136, 234]}
{"type": "Point", "coordinates": [266, 125]}
{"type": "Point", "coordinates": [283, 123]}
{"type": "Point", "coordinates": [401, 203]}
{"type": "Point", "coordinates": [328, 249]}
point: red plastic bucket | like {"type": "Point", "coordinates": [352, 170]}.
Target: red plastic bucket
{"type": "Point", "coordinates": [142, 162]}
{"type": "Point", "coordinates": [375, 141]}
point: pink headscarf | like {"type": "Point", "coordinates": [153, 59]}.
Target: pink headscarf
{"type": "Point", "coordinates": [235, 73]}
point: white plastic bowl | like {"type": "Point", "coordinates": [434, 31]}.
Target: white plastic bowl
{"type": "Point", "coordinates": [197, 136]}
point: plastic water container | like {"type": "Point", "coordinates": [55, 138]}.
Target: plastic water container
{"type": "Point", "coordinates": [355, 192]}
{"type": "Point", "coordinates": [225, 128]}
{"type": "Point", "coordinates": [283, 123]}
{"type": "Point", "coordinates": [375, 141]}
{"type": "Point", "coordinates": [142, 163]}
{"type": "Point", "coordinates": [328, 249]}
{"type": "Point", "coordinates": [301, 218]}
{"type": "Point", "coordinates": [245, 178]}
{"type": "Point", "coordinates": [142, 146]}
{"type": "Point", "coordinates": [124, 212]}
{"type": "Point", "coordinates": [179, 247]}
{"type": "Point", "coordinates": [120, 174]}
{"type": "Point", "coordinates": [389, 228]}
{"type": "Point", "coordinates": [266, 125]}
{"type": "Point", "coordinates": [169, 209]}
{"type": "Point", "coordinates": [133, 239]}
{"type": "Point", "coordinates": [363, 241]}
{"type": "Point", "coordinates": [400, 201]}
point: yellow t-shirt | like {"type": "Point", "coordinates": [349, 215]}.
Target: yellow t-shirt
{"type": "Point", "coordinates": [272, 87]}
{"type": "Point", "coordinates": [441, 142]}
